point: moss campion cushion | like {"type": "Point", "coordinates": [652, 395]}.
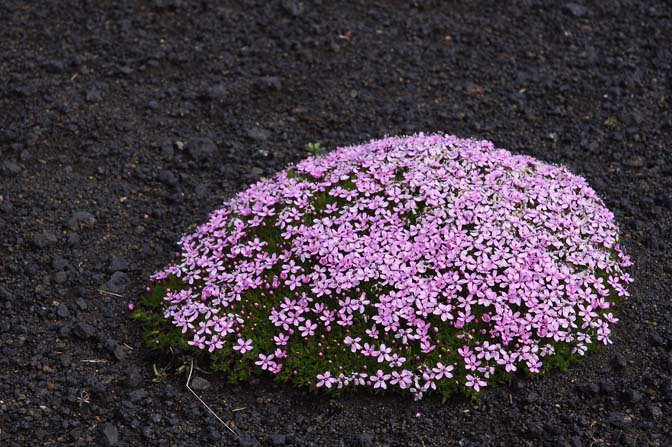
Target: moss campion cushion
{"type": "Point", "coordinates": [418, 263]}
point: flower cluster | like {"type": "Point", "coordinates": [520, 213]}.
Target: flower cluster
{"type": "Point", "coordinates": [420, 263]}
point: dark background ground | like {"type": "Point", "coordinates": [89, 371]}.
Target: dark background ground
{"type": "Point", "coordinates": [148, 114]}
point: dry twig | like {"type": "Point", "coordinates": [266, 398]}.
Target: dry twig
{"type": "Point", "coordinates": [204, 404]}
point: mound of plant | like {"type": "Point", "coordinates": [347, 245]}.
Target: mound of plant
{"type": "Point", "coordinates": [416, 263]}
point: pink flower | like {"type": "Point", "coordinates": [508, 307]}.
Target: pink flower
{"type": "Point", "coordinates": [308, 329]}
{"type": "Point", "coordinates": [325, 380]}
{"type": "Point", "coordinates": [475, 382]}
{"type": "Point", "coordinates": [265, 361]}
{"type": "Point", "coordinates": [392, 245]}
{"type": "Point", "coordinates": [380, 379]}
{"type": "Point", "coordinates": [243, 346]}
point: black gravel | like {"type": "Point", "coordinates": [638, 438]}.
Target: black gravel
{"type": "Point", "coordinates": [122, 124]}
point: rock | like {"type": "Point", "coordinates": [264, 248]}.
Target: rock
{"type": "Point", "coordinates": [655, 339]}
{"type": "Point", "coordinates": [654, 412]}
{"type": "Point", "coordinates": [5, 295]}
{"type": "Point", "coordinates": [54, 66]}
{"type": "Point", "coordinates": [83, 330]}
{"type": "Point", "coordinates": [61, 264]}
{"type": "Point", "coordinates": [134, 378]}
{"type": "Point", "coordinates": [258, 134]}
{"type": "Point", "coordinates": [277, 439]}
{"type": "Point", "coordinates": [201, 148]}
{"type": "Point", "coordinates": [81, 304]}
{"type": "Point", "coordinates": [167, 150]}
{"type": "Point", "coordinates": [93, 95]}
{"type": "Point", "coordinates": [365, 440]}
{"type": "Point", "coordinates": [118, 283]}
{"type": "Point", "coordinates": [6, 207]}
{"type": "Point", "coordinates": [168, 177]}
{"type": "Point", "coordinates": [117, 265]}
{"type": "Point", "coordinates": [119, 353]}
{"type": "Point", "coordinates": [269, 82]}
{"type": "Point", "coordinates": [607, 388]}
{"type": "Point", "coordinates": [62, 310]}
{"type": "Point", "coordinates": [44, 239]}
{"type": "Point", "coordinates": [294, 8]}
{"type": "Point", "coordinates": [632, 396]}
{"type": "Point", "coordinates": [137, 395]}
{"type": "Point", "coordinates": [668, 362]}
{"type": "Point", "coordinates": [618, 419]}
{"type": "Point", "coordinates": [631, 118]}
{"type": "Point", "coordinates": [10, 168]}
{"type": "Point", "coordinates": [73, 239]}
{"type": "Point", "coordinates": [81, 219]}
{"type": "Point", "coordinates": [618, 362]}
{"type": "Point", "coordinates": [60, 277]}
{"type": "Point", "coordinates": [588, 389]}
{"type": "Point", "coordinates": [247, 440]}
{"type": "Point", "coordinates": [215, 93]}
{"type": "Point", "coordinates": [575, 9]}
{"type": "Point", "coordinates": [109, 434]}
{"type": "Point", "coordinates": [199, 384]}
{"type": "Point", "coordinates": [214, 435]}
{"type": "Point", "coordinates": [636, 161]}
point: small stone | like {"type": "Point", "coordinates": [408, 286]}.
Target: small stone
{"type": "Point", "coordinates": [83, 330]}
{"type": "Point", "coordinates": [636, 162]}
{"type": "Point", "coordinates": [247, 440]}
{"type": "Point", "coordinates": [6, 207]}
{"type": "Point", "coordinates": [81, 219]}
{"type": "Point", "coordinates": [654, 412]}
{"type": "Point", "coordinates": [199, 384]}
{"type": "Point", "coordinates": [93, 95]}
{"type": "Point", "coordinates": [588, 389]}
{"type": "Point", "coordinates": [62, 310]}
{"type": "Point", "coordinates": [109, 434]}
{"type": "Point", "coordinates": [119, 353]}
{"type": "Point", "coordinates": [201, 148]}
{"type": "Point", "coordinates": [365, 440]}
{"type": "Point", "coordinates": [215, 93]}
{"type": "Point", "coordinates": [81, 304]}
{"type": "Point", "coordinates": [269, 83]}
{"type": "Point", "coordinates": [118, 283]}
{"type": "Point", "coordinates": [134, 378]}
{"type": "Point", "coordinates": [60, 277]}
{"type": "Point", "coordinates": [618, 419]}
{"type": "Point", "coordinates": [607, 388]}
{"type": "Point", "coordinates": [575, 9]}
{"type": "Point", "coordinates": [632, 396]}
{"type": "Point", "coordinates": [278, 439]}
{"type": "Point", "coordinates": [294, 8]}
{"type": "Point", "coordinates": [44, 239]}
{"type": "Point", "coordinates": [54, 66]}
{"type": "Point", "coordinates": [618, 362]}
{"type": "Point", "coordinates": [10, 168]}
{"type": "Point", "coordinates": [167, 150]}
{"type": "Point", "coordinates": [631, 118]}
{"type": "Point", "coordinates": [73, 239]}
{"type": "Point", "coordinates": [168, 177]}
{"type": "Point", "coordinates": [655, 339]}
{"type": "Point", "coordinates": [137, 395]}
{"type": "Point", "coordinates": [117, 265]}
{"type": "Point", "coordinates": [125, 70]}
{"type": "Point", "coordinates": [258, 134]}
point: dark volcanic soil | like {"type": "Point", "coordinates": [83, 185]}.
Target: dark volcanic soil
{"type": "Point", "coordinates": [122, 124]}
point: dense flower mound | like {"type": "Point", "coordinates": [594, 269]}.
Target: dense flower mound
{"type": "Point", "coordinates": [420, 263]}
